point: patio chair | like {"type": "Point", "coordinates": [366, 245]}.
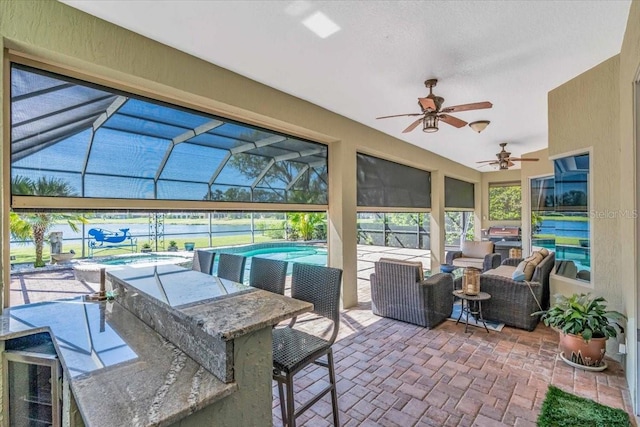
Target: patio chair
{"type": "Point", "coordinates": [268, 274]}
{"type": "Point", "coordinates": [203, 261]}
{"type": "Point", "coordinates": [399, 291]}
{"type": "Point", "coordinates": [231, 267]}
{"type": "Point", "coordinates": [294, 348]}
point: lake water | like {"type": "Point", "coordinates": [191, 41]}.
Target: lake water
{"type": "Point", "coordinates": [141, 231]}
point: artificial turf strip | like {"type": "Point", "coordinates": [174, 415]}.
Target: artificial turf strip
{"type": "Point", "coordinates": [562, 409]}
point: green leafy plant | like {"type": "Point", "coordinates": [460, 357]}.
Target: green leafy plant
{"type": "Point", "coordinates": [146, 246]}
{"type": "Point", "coordinates": [35, 225]}
{"type": "Point", "coordinates": [582, 314]}
{"type": "Point", "coordinates": [173, 243]}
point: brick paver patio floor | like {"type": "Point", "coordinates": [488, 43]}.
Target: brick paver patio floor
{"type": "Point", "coordinates": [392, 373]}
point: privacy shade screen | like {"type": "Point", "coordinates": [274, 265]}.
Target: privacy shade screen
{"type": "Point", "coordinates": [382, 183]}
{"type": "Point", "coordinates": [90, 141]}
{"type": "Point", "coordinates": [458, 194]}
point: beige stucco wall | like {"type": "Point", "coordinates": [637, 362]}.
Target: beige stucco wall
{"type": "Point", "coordinates": [629, 187]}
{"type": "Point", "coordinates": [57, 33]}
{"type": "Point", "coordinates": [543, 167]}
{"type": "Point", "coordinates": [574, 127]}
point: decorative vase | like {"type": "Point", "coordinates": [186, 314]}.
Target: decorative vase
{"type": "Point", "coordinates": [471, 281]}
{"type": "Point", "coordinates": [581, 352]}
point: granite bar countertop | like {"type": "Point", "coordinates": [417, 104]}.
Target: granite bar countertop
{"type": "Point", "coordinates": [200, 313]}
{"type": "Point", "coordinates": [120, 371]}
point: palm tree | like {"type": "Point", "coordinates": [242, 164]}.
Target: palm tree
{"type": "Point", "coordinates": [35, 225]}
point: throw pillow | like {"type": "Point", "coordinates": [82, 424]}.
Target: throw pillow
{"type": "Point", "coordinates": [528, 266]}
{"type": "Point", "coordinates": [518, 276]}
{"type": "Point", "coordinates": [544, 252]}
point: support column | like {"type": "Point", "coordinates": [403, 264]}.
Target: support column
{"type": "Point", "coordinates": [477, 211]}
{"type": "Point", "coordinates": [342, 218]}
{"type": "Point", "coordinates": [437, 221]}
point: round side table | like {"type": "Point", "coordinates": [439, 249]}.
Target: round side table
{"type": "Point", "coordinates": [472, 304]}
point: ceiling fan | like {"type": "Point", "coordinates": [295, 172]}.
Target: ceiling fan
{"type": "Point", "coordinates": [432, 111]}
{"type": "Point", "coordinates": [505, 161]}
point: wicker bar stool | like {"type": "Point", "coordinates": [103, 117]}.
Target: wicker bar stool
{"type": "Point", "coordinates": [293, 348]}
{"type": "Point", "coordinates": [231, 267]}
{"type": "Point", "coordinates": [268, 274]}
{"type": "Point", "coordinates": [203, 261]}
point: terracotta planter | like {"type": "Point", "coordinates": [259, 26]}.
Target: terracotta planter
{"type": "Point", "coordinates": [578, 351]}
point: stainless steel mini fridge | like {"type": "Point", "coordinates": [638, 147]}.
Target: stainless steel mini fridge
{"type": "Point", "coordinates": [32, 388]}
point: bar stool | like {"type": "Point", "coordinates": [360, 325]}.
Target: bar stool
{"type": "Point", "coordinates": [231, 267]}
{"type": "Point", "coordinates": [203, 261]}
{"type": "Point", "coordinates": [294, 349]}
{"type": "Point", "coordinates": [268, 274]}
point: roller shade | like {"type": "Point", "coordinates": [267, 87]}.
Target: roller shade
{"type": "Point", "coordinates": [384, 183]}
{"type": "Point", "coordinates": [458, 194]}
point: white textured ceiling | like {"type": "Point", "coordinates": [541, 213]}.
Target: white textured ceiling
{"type": "Point", "coordinates": [508, 52]}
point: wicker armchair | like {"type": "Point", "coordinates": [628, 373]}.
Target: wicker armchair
{"type": "Point", "coordinates": [398, 292]}
{"type": "Point", "coordinates": [479, 255]}
{"type": "Point", "coordinates": [513, 302]}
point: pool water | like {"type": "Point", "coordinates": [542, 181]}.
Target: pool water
{"type": "Point", "coordinates": [300, 254]}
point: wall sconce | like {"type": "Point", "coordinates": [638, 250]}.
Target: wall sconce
{"type": "Point", "coordinates": [480, 125]}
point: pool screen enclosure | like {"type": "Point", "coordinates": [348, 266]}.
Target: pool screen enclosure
{"type": "Point", "coordinates": [107, 144]}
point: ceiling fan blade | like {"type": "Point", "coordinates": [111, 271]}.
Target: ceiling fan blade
{"type": "Point", "coordinates": [467, 107]}
{"type": "Point", "coordinates": [453, 121]}
{"type": "Point", "coordinates": [486, 161]}
{"type": "Point", "coordinates": [401, 115]}
{"type": "Point", "coordinates": [517, 159]}
{"type": "Point", "coordinates": [511, 164]}
{"type": "Point", "coordinates": [412, 126]}
{"type": "Point", "coordinates": [427, 104]}
{"type": "Point", "coordinates": [489, 163]}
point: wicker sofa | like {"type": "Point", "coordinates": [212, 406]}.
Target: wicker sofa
{"type": "Point", "coordinates": [474, 254]}
{"type": "Point", "coordinates": [513, 302]}
{"type": "Point", "coordinates": [399, 291]}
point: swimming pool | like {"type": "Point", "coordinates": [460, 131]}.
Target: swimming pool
{"type": "Point", "coordinates": [306, 254]}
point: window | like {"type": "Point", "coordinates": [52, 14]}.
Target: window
{"type": "Point", "coordinates": [560, 216]}
{"type": "Point", "coordinates": [505, 201]}
{"type": "Point", "coordinates": [405, 230]}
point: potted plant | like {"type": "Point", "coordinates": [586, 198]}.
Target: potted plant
{"type": "Point", "coordinates": [584, 325]}
{"type": "Point", "coordinates": [173, 246]}
{"type": "Point", "coordinates": [146, 247]}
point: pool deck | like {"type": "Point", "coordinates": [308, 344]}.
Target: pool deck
{"type": "Point", "coordinates": [30, 287]}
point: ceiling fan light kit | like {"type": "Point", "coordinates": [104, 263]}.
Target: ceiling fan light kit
{"type": "Point", "coordinates": [479, 125]}
{"type": "Point", "coordinates": [430, 124]}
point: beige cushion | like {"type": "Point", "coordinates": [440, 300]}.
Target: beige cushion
{"type": "Point", "coordinates": [469, 262]}
{"type": "Point", "coordinates": [544, 252]}
{"type": "Point", "coordinates": [529, 265]}
{"type": "Point", "coordinates": [502, 271]}
{"type": "Point", "coordinates": [419, 273]}
{"type": "Point", "coordinates": [471, 249]}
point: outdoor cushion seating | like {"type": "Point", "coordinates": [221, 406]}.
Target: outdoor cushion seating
{"type": "Point", "coordinates": [474, 254]}
{"type": "Point", "coordinates": [399, 292]}
{"type": "Point", "coordinates": [512, 302]}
